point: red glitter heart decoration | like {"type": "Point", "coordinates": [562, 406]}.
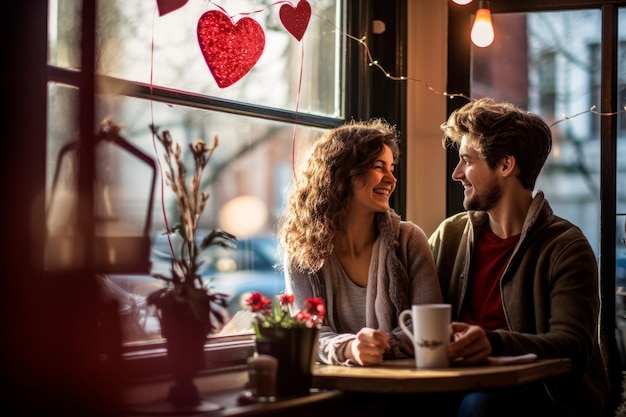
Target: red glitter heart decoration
{"type": "Point", "coordinates": [296, 19]}
{"type": "Point", "coordinates": [230, 50]}
{"type": "Point", "coordinates": [166, 6]}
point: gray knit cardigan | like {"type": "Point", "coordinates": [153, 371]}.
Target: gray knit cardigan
{"type": "Point", "coordinates": [402, 273]}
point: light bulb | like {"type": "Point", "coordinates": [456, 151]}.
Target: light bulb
{"type": "Point", "coordinates": [462, 2]}
{"type": "Point", "coordinates": [482, 30]}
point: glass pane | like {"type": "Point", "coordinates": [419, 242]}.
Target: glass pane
{"type": "Point", "coordinates": [136, 44]}
{"type": "Point", "coordinates": [248, 172]}
{"type": "Point", "coordinates": [246, 178]}
{"type": "Point", "coordinates": [122, 221]}
{"type": "Point", "coordinates": [620, 247]}
{"type": "Point", "coordinates": [64, 31]}
{"type": "Point", "coordinates": [531, 65]}
{"type": "Point", "coordinates": [62, 177]}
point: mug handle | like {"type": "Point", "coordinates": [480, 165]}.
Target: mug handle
{"type": "Point", "coordinates": [404, 327]}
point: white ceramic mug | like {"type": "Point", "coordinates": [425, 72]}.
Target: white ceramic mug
{"type": "Point", "coordinates": [430, 334]}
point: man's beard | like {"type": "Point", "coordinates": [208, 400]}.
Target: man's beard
{"type": "Point", "coordinates": [486, 201]}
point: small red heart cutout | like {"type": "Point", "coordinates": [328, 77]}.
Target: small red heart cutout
{"type": "Point", "coordinates": [230, 50]}
{"type": "Point", "coordinates": [166, 6]}
{"type": "Point", "coordinates": [296, 19]}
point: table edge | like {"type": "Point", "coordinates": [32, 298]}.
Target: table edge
{"type": "Point", "coordinates": [385, 379]}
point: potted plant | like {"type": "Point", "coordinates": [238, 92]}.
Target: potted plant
{"type": "Point", "coordinates": [188, 310]}
{"type": "Point", "coordinates": [290, 337]}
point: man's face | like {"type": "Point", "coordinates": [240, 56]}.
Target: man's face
{"type": "Point", "coordinates": [481, 187]}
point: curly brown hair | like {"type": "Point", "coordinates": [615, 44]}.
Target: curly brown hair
{"type": "Point", "coordinates": [318, 201]}
{"type": "Point", "coordinates": [499, 129]}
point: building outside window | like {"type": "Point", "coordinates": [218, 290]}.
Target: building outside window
{"type": "Point", "coordinates": [560, 79]}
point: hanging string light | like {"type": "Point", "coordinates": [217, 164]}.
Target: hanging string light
{"type": "Point", "coordinates": [462, 2]}
{"type": "Point", "coordinates": [482, 30]}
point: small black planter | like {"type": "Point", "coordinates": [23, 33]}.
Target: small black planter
{"type": "Point", "coordinates": [296, 351]}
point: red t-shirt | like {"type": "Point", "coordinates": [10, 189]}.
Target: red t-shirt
{"type": "Point", "coordinates": [483, 305]}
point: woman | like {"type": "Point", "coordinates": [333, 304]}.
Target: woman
{"type": "Point", "coordinates": [344, 244]}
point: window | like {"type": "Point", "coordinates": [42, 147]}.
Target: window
{"type": "Point", "coordinates": [571, 177]}
{"type": "Point", "coordinates": [150, 69]}
{"type": "Point", "coordinates": [557, 90]}
{"type": "Point", "coordinates": [571, 55]}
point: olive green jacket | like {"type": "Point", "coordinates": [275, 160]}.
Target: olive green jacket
{"type": "Point", "coordinates": [550, 296]}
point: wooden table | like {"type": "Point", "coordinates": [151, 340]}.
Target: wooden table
{"type": "Point", "coordinates": [401, 376]}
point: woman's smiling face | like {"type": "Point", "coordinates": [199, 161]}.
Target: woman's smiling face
{"type": "Point", "coordinates": [371, 191]}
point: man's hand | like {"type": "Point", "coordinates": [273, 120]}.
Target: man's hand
{"type": "Point", "coordinates": [468, 344]}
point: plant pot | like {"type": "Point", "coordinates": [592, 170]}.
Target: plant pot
{"type": "Point", "coordinates": [184, 339]}
{"type": "Point", "coordinates": [296, 351]}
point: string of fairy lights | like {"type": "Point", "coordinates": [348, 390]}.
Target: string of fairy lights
{"type": "Point", "coordinates": [373, 63]}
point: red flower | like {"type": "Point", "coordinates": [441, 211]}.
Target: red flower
{"type": "Point", "coordinates": [259, 303]}
{"type": "Point", "coordinates": [315, 307]}
{"type": "Point", "coordinates": [302, 316]}
{"type": "Point", "coordinates": [285, 299]}
{"type": "Point", "coordinates": [277, 313]}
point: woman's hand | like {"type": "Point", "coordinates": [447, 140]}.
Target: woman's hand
{"type": "Point", "coordinates": [368, 347]}
{"type": "Point", "coordinates": [468, 344]}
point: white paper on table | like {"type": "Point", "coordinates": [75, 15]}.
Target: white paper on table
{"type": "Point", "coordinates": [510, 360]}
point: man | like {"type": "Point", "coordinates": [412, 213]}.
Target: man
{"type": "Point", "coordinates": [520, 279]}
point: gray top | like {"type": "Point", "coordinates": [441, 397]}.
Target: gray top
{"type": "Point", "coordinates": [348, 297]}
{"type": "Point", "coordinates": [401, 273]}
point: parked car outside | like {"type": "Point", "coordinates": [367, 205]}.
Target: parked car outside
{"type": "Point", "coordinates": [620, 270]}
{"type": "Point", "coordinates": [620, 256]}
{"type": "Point", "coordinates": [238, 272]}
